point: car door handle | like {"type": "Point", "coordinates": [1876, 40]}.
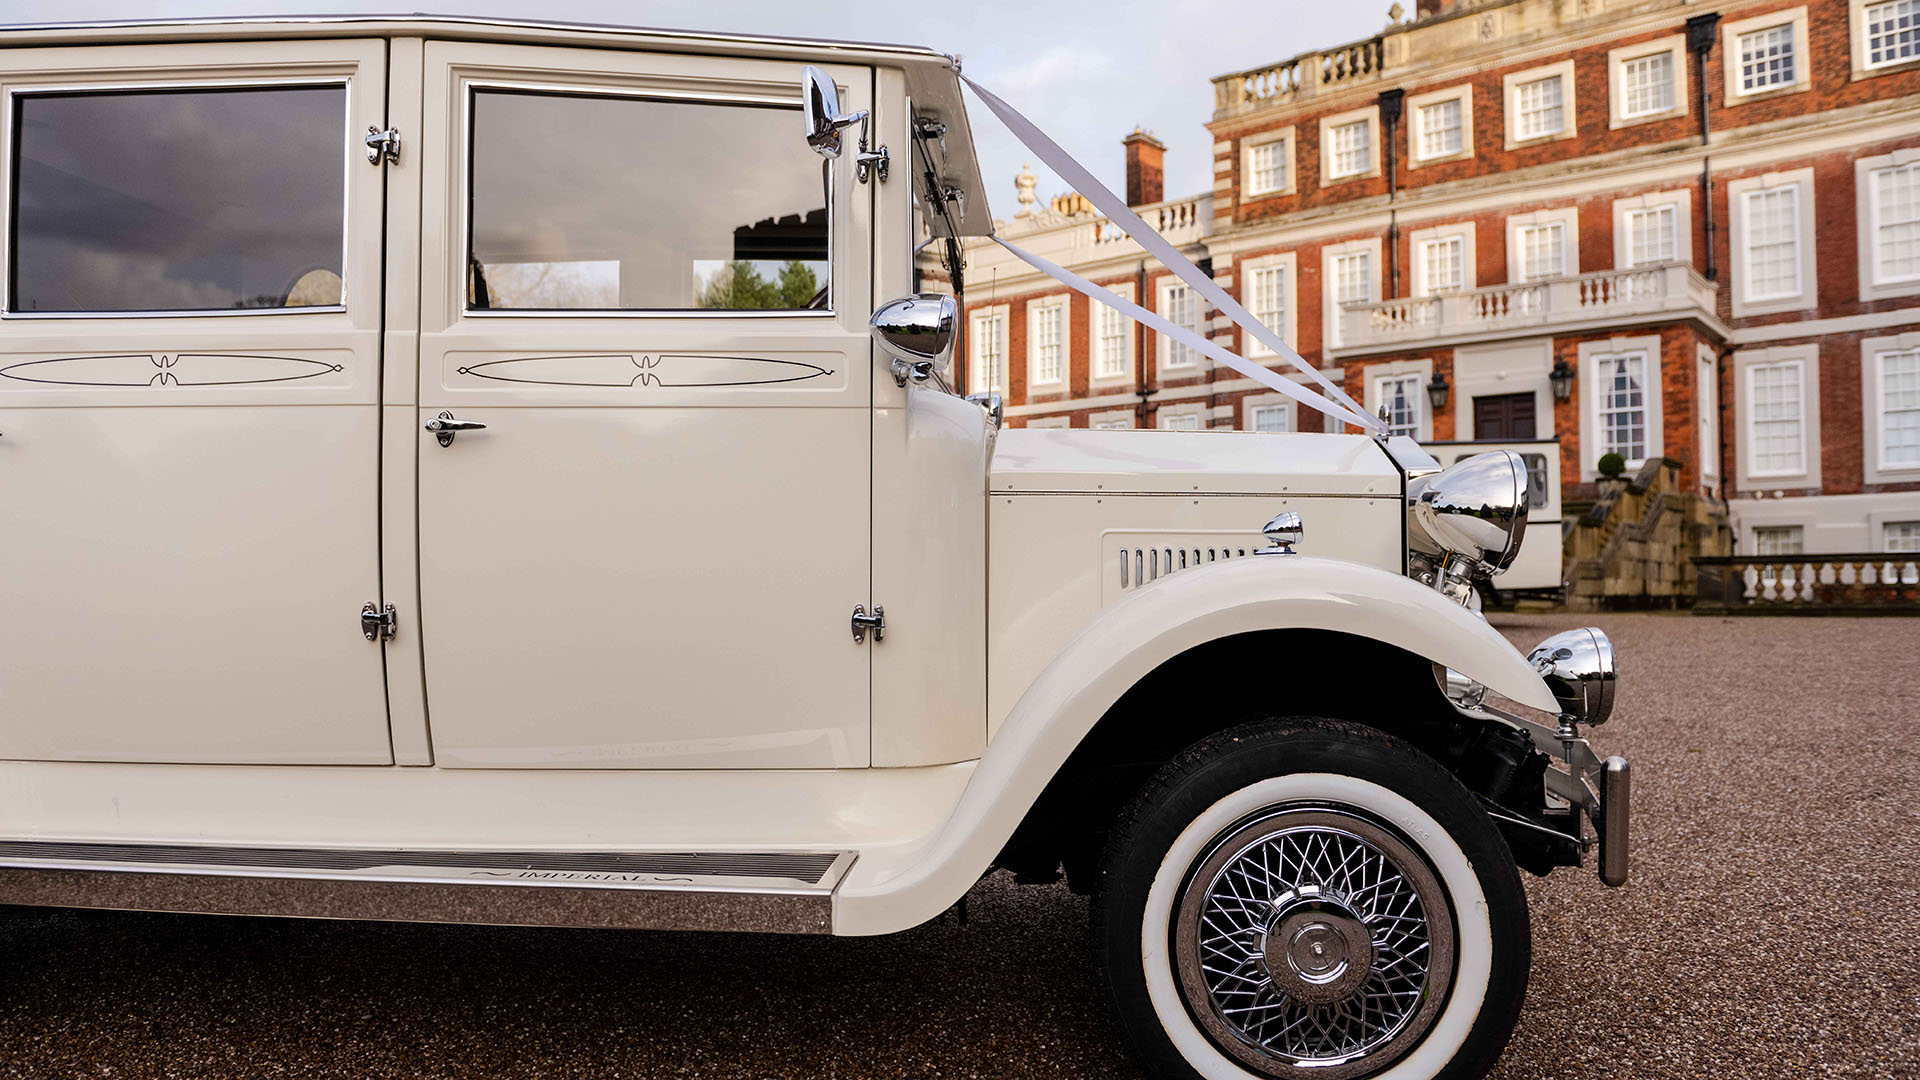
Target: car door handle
{"type": "Point", "coordinates": [445, 426]}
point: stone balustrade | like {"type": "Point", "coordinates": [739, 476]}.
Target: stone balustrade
{"type": "Point", "coordinates": [1302, 76]}
{"type": "Point", "coordinates": [1870, 583]}
{"type": "Point", "coordinates": [1181, 221]}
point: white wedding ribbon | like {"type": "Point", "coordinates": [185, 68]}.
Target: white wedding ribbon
{"type": "Point", "coordinates": [1341, 406]}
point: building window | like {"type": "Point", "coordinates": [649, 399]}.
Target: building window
{"type": "Point", "coordinates": [1443, 264]}
{"type": "Point", "coordinates": [1896, 222]}
{"type": "Point", "coordinates": [1112, 339]}
{"type": "Point", "coordinates": [1647, 88]}
{"type": "Point", "coordinates": [1893, 32]}
{"type": "Point", "coordinates": [1114, 421]}
{"type": "Point", "coordinates": [1184, 421]}
{"type": "Point", "coordinates": [1775, 420]}
{"type": "Point", "coordinates": [1773, 243]}
{"type": "Point", "coordinates": [1540, 108]}
{"type": "Point", "coordinates": [1353, 277]}
{"type": "Point", "coordinates": [1900, 536]}
{"type": "Point", "coordinates": [1180, 307]}
{"type": "Point", "coordinates": [987, 351]}
{"type": "Point", "coordinates": [1046, 342]}
{"type": "Point", "coordinates": [1399, 396]}
{"type": "Point", "coordinates": [1766, 58]}
{"type": "Point", "coordinates": [1441, 132]}
{"type": "Point", "coordinates": [1543, 250]}
{"type": "Point", "coordinates": [1900, 409]}
{"type": "Point", "coordinates": [1350, 149]}
{"type": "Point", "coordinates": [1267, 301]}
{"type": "Point", "coordinates": [1270, 418]}
{"type": "Point", "coordinates": [1267, 167]}
{"type": "Point", "coordinates": [1777, 540]}
{"type": "Point", "coordinates": [1623, 405]}
{"type": "Point", "coordinates": [1652, 235]}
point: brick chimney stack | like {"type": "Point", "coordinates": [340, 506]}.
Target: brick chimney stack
{"type": "Point", "coordinates": [1145, 182]}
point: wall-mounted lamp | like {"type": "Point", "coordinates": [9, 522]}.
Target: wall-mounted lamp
{"type": "Point", "coordinates": [1437, 392]}
{"type": "Point", "coordinates": [1562, 379]}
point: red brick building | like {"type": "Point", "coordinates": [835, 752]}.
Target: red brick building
{"type": "Point", "coordinates": [1653, 228]}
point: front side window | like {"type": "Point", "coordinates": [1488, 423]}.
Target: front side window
{"type": "Point", "coordinates": [1267, 167]}
{"type": "Point", "coordinates": [1441, 133]}
{"type": "Point", "coordinates": [1443, 264]}
{"type": "Point", "coordinates": [215, 199]}
{"type": "Point", "coordinates": [1766, 58]}
{"type": "Point", "coordinates": [1177, 306]}
{"type": "Point", "coordinates": [1109, 342]}
{"type": "Point", "coordinates": [1776, 540]}
{"type": "Point", "coordinates": [1046, 343]}
{"type": "Point", "coordinates": [1773, 243]}
{"type": "Point", "coordinates": [598, 202]}
{"type": "Point", "coordinates": [1893, 32]}
{"type": "Point", "coordinates": [1896, 222]}
{"type": "Point", "coordinates": [1399, 397]}
{"type": "Point", "coordinates": [1623, 405]}
{"type": "Point", "coordinates": [1775, 424]}
{"type": "Point", "coordinates": [1272, 418]}
{"type": "Point", "coordinates": [1649, 85]}
{"type": "Point", "coordinates": [1900, 409]}
{"type": "Point", "coordinates": [1543, 250]}
{"type": "Point", "coordinates": [1269, 288]}
{"type": "Point", "coordinates": [1541, 108]}
{"type": "Point", "coordinates": [987, 351]}
{"type": "Point", "coordinates": [1351, 152]}
{"type": "Point", "coordinates": [1652, 236]}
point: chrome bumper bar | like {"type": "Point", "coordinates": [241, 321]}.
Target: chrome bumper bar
{"type": "Point", "coordinates": [1601, 789]}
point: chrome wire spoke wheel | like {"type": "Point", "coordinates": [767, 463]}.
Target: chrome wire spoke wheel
{"type": "Point", "coordinates": [1313, 942]}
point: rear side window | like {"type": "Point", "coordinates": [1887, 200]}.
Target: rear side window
{"type": "Point", "coordinates": [594, 202]}
{"type": "Point", "coordinates": [227, 199]}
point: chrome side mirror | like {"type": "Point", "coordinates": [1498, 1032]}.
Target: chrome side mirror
{"type": "Point", "coordinates": [820, 108]}
{"type": "Point", "coordinates": [917, 332]}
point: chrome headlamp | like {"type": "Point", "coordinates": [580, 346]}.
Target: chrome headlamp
{"type": "Point", "coordinates": [1468, 519]}
{"type": "Point", "coordinates": [1578, 668]}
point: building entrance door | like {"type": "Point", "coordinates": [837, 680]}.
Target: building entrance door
{"type": "Point", "coordinates": [1503, 417]}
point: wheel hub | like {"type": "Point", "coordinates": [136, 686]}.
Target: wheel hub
{"type": "Point", "coordinates": [1317, 951]}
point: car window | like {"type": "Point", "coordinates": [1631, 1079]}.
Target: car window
{"type": "Point", "coordinates": [603, 202]}
{"type": "Point", "coordinates": [191, 199]}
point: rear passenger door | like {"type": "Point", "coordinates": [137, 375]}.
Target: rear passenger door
{"type": "Point", "coordinates": [189, 428]}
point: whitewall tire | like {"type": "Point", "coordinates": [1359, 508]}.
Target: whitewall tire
{"type": "Point", "coordinates": [1310, 898]}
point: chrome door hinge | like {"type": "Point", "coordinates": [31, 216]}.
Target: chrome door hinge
{"type": "Point", "coordinates": [378, 623]}
{"type": "Point", "coordinates": [863, 622]}
{"type": "Point", "coordinates": [383, 146]}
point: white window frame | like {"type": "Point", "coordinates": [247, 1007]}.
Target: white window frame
{"type": "Point", "coordinates": [1097, 311]}
{"type": "Point", "coordinates": [1464, 95]}
{"type": "Point", "coordinates": [1371, 116]}
{"type": "Point", "coordinates": [1050, 423]}
{"type": "Point", "coordinates": [1872, 408]}
{"type": "Point", "coordinates": [1288, 329]}
{"type": "Point", "coordinates": [1112, 420]}
{"type": "Point", "coordinates": [1591, 354]}
{"type": "Point", "coordinates": [1253, 404]}
{"type": "Point", "coordinates": [1330, 283]}
{"type": "Point", "coordinates": [1884, 541]}
{"type": "Point", "coordinates": [1793, 372]}
{"type": "Point", "coordinates": [1194, 411]}
{"type": "Point", "coordinates": [1675, 48]}
{"type": "Point", "coordinates": [1164, 345]}
{"type": "Point", "coordinates": [1462, 231]}
{"type": "Point", "coordinates": [1867, 198]}
{"type": "Point", "coordinates": [1706, 408]}
{"type": "Point", "coordinates": [1682, 203]}
{"type": "Point", "coordinates": [1283, 141]}
{"type": "Point", "coordinates": [1569, 103]}
{"type": "Point", "coordinates": [1737, 192]}
{"type": "Point", "coordinates": [1376, 376]}
{"type": "Point", "coordinates": [1567, 217]}
{"type": "Point", "coordinates": [1864, 66]}
{"type": "Point", "coordinates": [1730, 34]}
{"type": "Point", "coordinates": [1036, 310]}
{"type": "Point", "coordinates": [1807, 357]}
{"type": "Point", "coordinates": [975, 369]}
{"type": "Point", "coordinates": [1799, 534]}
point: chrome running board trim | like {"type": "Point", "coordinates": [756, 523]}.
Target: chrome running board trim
{"type": "Point", "coordinates": [779, 892]}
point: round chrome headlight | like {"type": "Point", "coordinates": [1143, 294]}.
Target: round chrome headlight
{"type": "Point", "coordinates": [1578, 667]}
{"type": "Point", "coordinates": [1476, 508]}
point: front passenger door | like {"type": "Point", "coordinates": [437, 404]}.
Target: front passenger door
{"type": "Point", "coordinates": [654, 297]}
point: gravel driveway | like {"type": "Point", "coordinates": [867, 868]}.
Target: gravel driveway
{"type": "Point", "coordinates": [1772, 929]}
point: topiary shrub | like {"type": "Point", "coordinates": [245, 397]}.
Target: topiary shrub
{"type": "Point", "coordinates": [1612, 465]}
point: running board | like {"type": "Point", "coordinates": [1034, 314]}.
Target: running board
{"type": "Point", "coordinates": [773, 891]}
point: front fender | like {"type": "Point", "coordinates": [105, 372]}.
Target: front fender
{"type": "Point", "coordinates": [1122, 645]}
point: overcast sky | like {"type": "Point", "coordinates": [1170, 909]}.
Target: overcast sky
{"type": "Point", "coordinates": [1085, 73]}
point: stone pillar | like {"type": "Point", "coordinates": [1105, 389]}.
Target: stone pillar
{"type": "Point", "coordinates": [1145, 172]}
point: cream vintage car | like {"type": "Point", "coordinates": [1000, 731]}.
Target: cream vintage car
{"type": "Point", "coordinates": [474, 472]}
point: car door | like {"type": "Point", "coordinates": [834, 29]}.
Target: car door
{"type": "Point", "coordinates": [189, 379]}
{"type": "Point", "coordinates": [653, 296]}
